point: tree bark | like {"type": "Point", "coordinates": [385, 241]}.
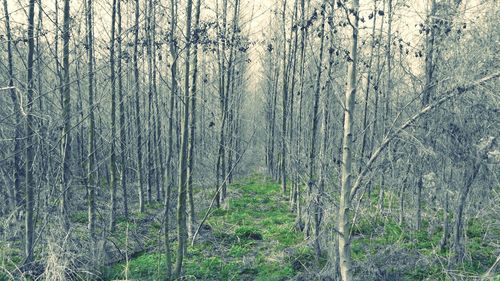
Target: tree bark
{"type": "Point", "coordinates": [114, 171]}
{"type": "Point", "coordinates": [345, 191]}
{"type": "Point", "coordinates": [137, 89]}
{"type": "Point", "coordinates": [30, 123]}
{"type": "Point", "coordinates": [123, 133]}
{"type": "Point", "coordinates": [285, 103]}
{"type": "Point", "coordinates": [170, 146]}
{"type": "Point", "coordinates": [91, 169]}
{"type": "Point", "coordinates": [183, 153]}
{"type": "Point", "coordinates": [470, 174]}
{"type": "Point", "coordinates": [66, 135]}
{"type": "Point", "coordinates": [192, 117]}
{"type": "Point", "coordinates": [18, 146]}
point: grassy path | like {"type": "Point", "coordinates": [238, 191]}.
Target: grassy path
{"type": "Point", "coordinates": [252, 239]}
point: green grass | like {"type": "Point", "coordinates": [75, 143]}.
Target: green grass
{"type": "Point", "coordinates": [255, 239]}
{"type": "Point", "coordinates": [373, 234]}
{"type": "Point", "coordinates": [249, 241]}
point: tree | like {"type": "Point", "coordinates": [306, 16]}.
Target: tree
{"type": "Point", "coordinates": [123, 134]}
{"type": "Point", "coordinates": [113, 164]}
{"type": "Point", "coordinates": [29, 144]}
{"type": "Point", "coordinates": [17, 161]}
{"type": "Point", "coordinates": [173, 93]}
{"type": "Point", "coordinates": [192, 120]}
{"type": "Point", "coordinates": [314, 195]}
{"type": "Point", "coordinates": [140, 188]}
{"type": "Point", "coordinates": [344, 223]}
{"type": "Point", "coordinates": [91, 169]}
{"type": "Point", "coordinates": [66, 137]}
{"type": "Point", "coordinates": [183, 153]}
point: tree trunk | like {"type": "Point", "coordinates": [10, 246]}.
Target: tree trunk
{"type": "Point", "coordinates": [293, 58]}
{"type": "Point", "coordinates": [297, 197]}
{"type": "Point", "coordinates": [470, 174]}
{"type": "Point", "coordinates": [150, 128]}
{"type": "Point", "coordinates": [137, 89]}
{"type": "Point", "coordinates": [402, 196]}
{"type": "Point", "coordinates": [345, 191]}
{"type": "Point", "coordinates": [170, 168]}
{"type": "Point", "coordinates": [91, 169]}
{"type": "Point", "coordinates": [123, 133]}
{"type": "Point", "coordinates": [18, 169]}
{"type": "Point", "coordinates": [367, 90]}
{"type": "Point", "coordinates": [192, 136]}
{"type": "Point", "coordinates": [312, 183]}
{"type": "Point", "coordinates": [285, 103]}
{"type": "Point", "coordinates": [114, 171]}
{"type": "Point", "coordinates": [420, 185]}
{"type": "Point", "coordinates": [426, 98]}
{"type": "Point", "coordinates": [183, 153]}
{"type": "Point", "coordinates": [30, 151]}
{"type": "Point", "coordinates": [66, 135]}
{"type": "Point", "coordinates": [446, 223]}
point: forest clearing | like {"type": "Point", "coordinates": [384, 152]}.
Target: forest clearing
{"type": "Point", "coordinates": [249, 140]}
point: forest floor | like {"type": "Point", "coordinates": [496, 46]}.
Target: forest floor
{"type": "Point", "coordinates": [252, 238]}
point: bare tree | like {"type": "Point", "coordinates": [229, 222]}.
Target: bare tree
{"type": "Point", "coordinates": [91, 168]}
{"type": "Point", "coordinates": [29, 144]}
{"type": "Point", "coordinates": [113, 164]}
{"type": "Point", "coordinates": [140, 188]}
{"type": "Point", "coordinates": [17, 159]}
{"type": "Point", "coordinates": [344, 221]}
{"type": "Point", "coordinates": [183, 153]}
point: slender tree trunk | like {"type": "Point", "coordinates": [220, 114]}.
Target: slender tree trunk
{"type": "Point", "coordinates": [123, 133]}
{"type": "Point", "coordinates": [18, 168]}
{"type": "Point", "coordinates": [150, 50]}
{"type": "Point", "coordinates": [446, 223]}
{"type": "Point", "coordinates": [312, 183]}
{"type": "Point", "coordinates": [44, 147]}
{"type": "Point", "coordinates": [66, 135]}
{"type": "Point", "coordinates": [30, 151]}
{"type": "Point", "coordinates": [387, 99]}
{"type": "Point", "coordinates": [312, 157]}
{"type": "Point", "coordinates": [113, 164]}
{"type": "Point", "coordinates": [221, 56]}
{"type": "Point", "coordinates": [345, 191]}
{"type": "Point", "coordinates": [272, 166]}
{"type": "Point", "coordinates": [470, 174]}
{"type": "Point", "coordinates": [157, 121]}
{"type": "Point", "coordinates": [91, 169]}
{"type": "Point", "coordinates": [81, 142]}
{"type": "Point", "coordinates": [137, 89]}
{"type": "Point", "coordinates": [192, 136]}
{"type": "Point", "coordinates": [377, 92]}
{"type": "Point", "coordinates": [285, 103]}
{"type": "Point", "coordinates": [426, 98]}
{"type": "Point", "coordinates": [295, 27]}
{"type": "Point", "coordinates": [420, 185]}
{"type": "Point", "coordinates": [402, 196]}
{"type": "Point", "coordinates": [297, 198]}
{"type": "Point", "coordinates": [230, 99]}
{"type": "Point", "coordinates": [367, 91]}
{"type": "Point", "coordinates": [183, 155]}
{"type": "Point", "coordinates": [173, 94]}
